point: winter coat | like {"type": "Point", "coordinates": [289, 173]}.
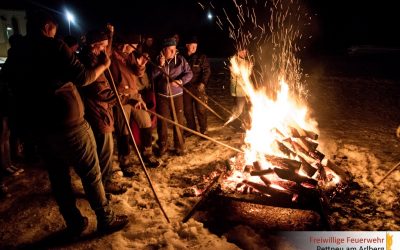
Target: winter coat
{"type": "Point", "coordinates": [124, 72]}
{"type": "Point", "coordinates": [178, 69]}
{"type": "Point", "coordinates": [42, 73]}
{"type": "Point", "coordinates": [98, 98]}
{"type": "Point", "coordinates": [200, 68]}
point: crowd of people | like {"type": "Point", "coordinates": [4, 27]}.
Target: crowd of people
{"type": "Point", "coordinates": [58, 101]}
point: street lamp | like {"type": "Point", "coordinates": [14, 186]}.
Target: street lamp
{"type": "Point", "coordinates": [70, 19]}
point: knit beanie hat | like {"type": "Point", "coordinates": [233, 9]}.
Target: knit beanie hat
{"type": "Point", "coordinates": [169, 42]}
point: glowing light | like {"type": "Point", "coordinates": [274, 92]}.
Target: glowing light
{"type": "Point", "coordinates": [210, 16]}
{"type": "Point", "coordinates": [70, 17]}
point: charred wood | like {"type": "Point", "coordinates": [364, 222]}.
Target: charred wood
{"type": "Point", "coordinates": [285, 194]}
{"type": "Point", "coordinates": [287, 151]}
{"type": "Point", "coordinates": [308, 144]}
{"type": "Point", "coordinates": [292, 176]}
{"type": "Point", "coordinates": [257, 166]}
{"type": "Point", "coordinates": [261, 172]}
{"type": "Point", "coordinates": [285, 163]}
{"type": "Point", "coordinates": [295, 188]}
{"type": "Point", "coordinates": [307, 168]}
{"type": "Point", "coordinates": [339, 171]}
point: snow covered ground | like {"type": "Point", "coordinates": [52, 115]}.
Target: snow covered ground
{"type": "Point", "coordinates": [357, 115]}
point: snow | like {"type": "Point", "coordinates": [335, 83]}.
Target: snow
{"type": "Point", "coordinates": [357, 117]}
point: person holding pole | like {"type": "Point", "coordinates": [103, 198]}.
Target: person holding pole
{"type": "Point", "coordinates": [99, 100]}
{"type": "Point", "coordinates": [197, 86]}
{"type": "Point", "coordinates": [172, 72]}
{"type": "Point", "coordinates": [43, 74]}
{"type": "Point", "coordinates": [125, 69]}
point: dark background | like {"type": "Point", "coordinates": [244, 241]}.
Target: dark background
{"type": "Point", "coordinates": [337, 24]}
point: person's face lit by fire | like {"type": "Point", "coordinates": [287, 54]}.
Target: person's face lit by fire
{"type": "Point", "coordinates": [99, 47]}
{"type": "Point", "coordinates": [191, 48]}
{"type": "Point", "coordinates": [169, 52]}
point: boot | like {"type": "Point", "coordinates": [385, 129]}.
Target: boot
{"type": "Point", "coordinates": [149, 159]}
{"type": "Point", "coordinates": [75, 229]}
{"type": "Point", "coordinates": [113, 187]}
{"type": "Point", "coordinates": [108, 222]}
{"type": "Point", "coordinates": [126, 167]}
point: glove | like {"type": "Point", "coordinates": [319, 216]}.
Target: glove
{"type": "Point", "coordinates": [201, 88]}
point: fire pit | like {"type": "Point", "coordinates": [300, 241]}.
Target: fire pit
{"type": "Point", "coordinates": [281, 181]}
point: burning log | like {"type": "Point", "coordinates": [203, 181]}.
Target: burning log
{"type": "Point", "coordinates": [308, 144]}
{"type": "Point", "coordinates": [261, 172]}
{"type": "Point", "coordinates": [298, 132]}
{"type": "Point", "coordinates": [314, 154]}
{"type": "Point", "coordinates": [285, 163]}
{"type": "Point", "coordinates": [317, 155]}
{"type": "Point", "coordinates": [307, 168]}
{"type": "Point", "coordinates": [257, 166]}
{"type": "Point", "coordinates": [279, 133]}
{"type": "Point", "coordinates": [288, 175]}
{"type": "Point", "coordinates": [294, 187]}
{"type": "Point", "coordinates": [322, 172]}
{"type": "Point", "coordinates": [287, 151]}
{"type": "Point", "coordinates": [267, 190]}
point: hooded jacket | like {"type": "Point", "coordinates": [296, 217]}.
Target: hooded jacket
{"type": "Point", "coordinates": [178, 69]}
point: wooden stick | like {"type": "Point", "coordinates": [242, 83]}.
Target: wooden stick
{"type": "Point", "coordinates": [204, 195]}
{"type": "Point", "coordinates": [225, 109]}
{"type": "Point", "coordinates": [194, 132]}
{"type": "Point", "coordinates": [171, 99]}
{"type": "Point", "coordinates": [388, 173]}
{"type": "Point", "coordinates": [114, 88]}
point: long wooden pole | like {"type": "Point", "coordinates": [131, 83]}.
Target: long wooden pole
{"type": "Point", "coordinates": [177, 130]}
{"type": "Point", "coordinates": [388, 173]}
{"type": "Point", "coordinates": [114, 88]}
{"type": "Point", "coordinates": [225, 109]}
{"type": "Point", "coordinates": [194, 132]}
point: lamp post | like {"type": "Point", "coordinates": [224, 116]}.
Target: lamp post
{"type": "Point", "coordinates": [70, 19]}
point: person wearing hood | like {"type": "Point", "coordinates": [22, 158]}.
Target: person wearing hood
{"type": "Point", "coordinates": [171, 74]}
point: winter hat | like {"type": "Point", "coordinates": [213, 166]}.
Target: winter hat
{"type": "Point", "coordinates": [192, 39]}
{"type": "Point", "coordinates": [169, 42]}
{"type": "Point", "coordinates": [95, 36]}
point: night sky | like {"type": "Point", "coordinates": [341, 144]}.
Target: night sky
{"type": "Point", "coordinates": [338, 23]}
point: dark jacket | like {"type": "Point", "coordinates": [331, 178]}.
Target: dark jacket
{"type": "Point", "coordinates": [40, 72]}
{"type": "Point", "coordinates": [178, 69]}
{"type": "Point", "coordinates": [200, 68]}
{"type": "Point", "coordinates": [98, 98]}
{"type": "Point", "coordinates": [125, 73]}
